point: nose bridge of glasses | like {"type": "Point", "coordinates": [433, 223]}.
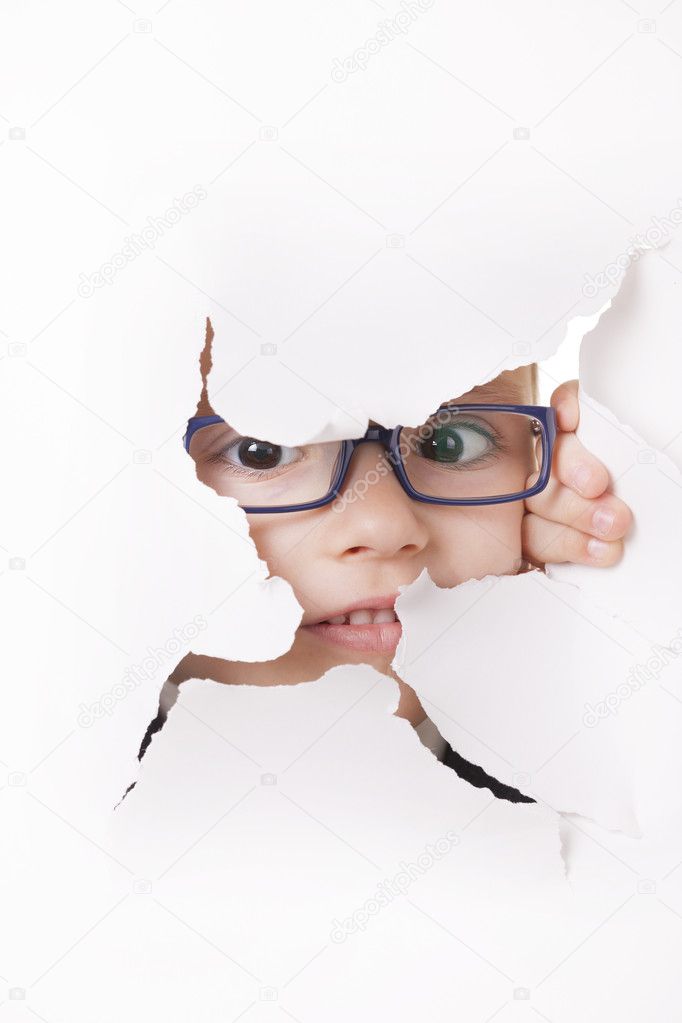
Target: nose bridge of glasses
{"type": "Point", "coordinates": [375, 433]}
{"type": "Point", "coordinates": [385, 437]}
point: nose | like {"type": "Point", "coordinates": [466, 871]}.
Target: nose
{"type": "Point", "coordinates": [376, 518]}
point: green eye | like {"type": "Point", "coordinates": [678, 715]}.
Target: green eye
{"type": "Point", "coordinates": [456, 444]}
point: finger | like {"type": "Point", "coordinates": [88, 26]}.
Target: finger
{"type": "Point", "coordinates": [577, 468]}
{"type": "Point", "coordinates": [606, 517]}
{"type": "Point", "coordinates": [545, 541]}
{"type": "Point", "coordinates": [565, 400]}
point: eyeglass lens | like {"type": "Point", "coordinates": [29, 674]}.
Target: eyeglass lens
{"type": "Point", "coordinates": [456, 454]}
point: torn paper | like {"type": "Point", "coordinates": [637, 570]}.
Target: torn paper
{"type": "Point", "coordinates": [323, 776]}
{"type": "Point", "coordinates": [629, 419]}
{"type": "Point", "coordinates": [583, 729]}
{"type": "Point", "coordinates": [373, 208]}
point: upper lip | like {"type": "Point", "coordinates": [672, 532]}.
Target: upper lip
{"type": "Point", "coordinates": [366, 604]}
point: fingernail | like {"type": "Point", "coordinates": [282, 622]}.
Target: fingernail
{"type": "Point", "coordinates": [597, 549]}
{"type": "Point", "coordinates": [581, 477]}
{"type": "Point", "coordinates": [603, 520]}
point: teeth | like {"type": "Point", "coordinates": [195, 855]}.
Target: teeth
{"type": "Point", "coordinates": [365, 616]}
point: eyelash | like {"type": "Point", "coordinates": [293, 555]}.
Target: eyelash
{"type": "Point", "coordinates": [499, 447]}
{"type": "Point", "coordinates": [239, 470]}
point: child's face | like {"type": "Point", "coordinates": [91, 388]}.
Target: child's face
{"type": "Point", "coordinates": [360, 556]}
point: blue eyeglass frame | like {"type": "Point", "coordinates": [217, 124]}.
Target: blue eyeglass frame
{"type": "Point", "coordinates": [389, 438]}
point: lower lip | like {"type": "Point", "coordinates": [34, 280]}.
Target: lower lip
{"type": "Point", "coordinates": [381, 638]}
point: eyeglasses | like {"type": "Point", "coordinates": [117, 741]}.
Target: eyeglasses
{"type": "Point", "coordinates": [463, 454]}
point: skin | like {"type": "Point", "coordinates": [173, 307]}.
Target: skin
{"type": "Point", "coordinates": [385, 541]}
{"type": "Point", "coordinates": [575, 519]}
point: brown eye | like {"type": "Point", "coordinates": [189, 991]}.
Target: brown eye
{"type": "Point", "coordinates": [255, 455]}
{"type": "Point", "coordinates": [258, 454]}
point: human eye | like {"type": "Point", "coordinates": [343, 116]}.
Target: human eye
{"type": "Point", "coordinates": [456, 441]}
{"type": "Point", "coordinates": [257, 459]}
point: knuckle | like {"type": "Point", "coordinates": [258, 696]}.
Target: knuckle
{"type": "Point", "coordinates": [568, 508]}
{"type": "Point", "coordinates": [528, 528]}
{"type": "Point", "coordinates": [575, 509]}
{"type": "Point", "coordinates": [576, 546]}
{"type": "Point", "coordinates": [533, 538]}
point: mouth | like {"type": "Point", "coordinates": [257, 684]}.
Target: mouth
{"type": "Point", "coordinates": [368, 626]}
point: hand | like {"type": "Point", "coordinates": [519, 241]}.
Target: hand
{"type": "Point", "coordinates": [575, 518]}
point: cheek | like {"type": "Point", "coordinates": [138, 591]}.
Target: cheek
{"type": "Point", "coordinates": [285, 542]}
{"type": "Point", "coordinates": [473, 542]}
{"type": "Point", "coordinates": [463, 543]}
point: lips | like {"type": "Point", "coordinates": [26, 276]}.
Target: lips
{"type": "Point", "coordinates": [368, 626]}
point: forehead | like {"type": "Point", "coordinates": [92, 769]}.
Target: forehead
{"type": "Point", "coordinates": [513, 388]}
